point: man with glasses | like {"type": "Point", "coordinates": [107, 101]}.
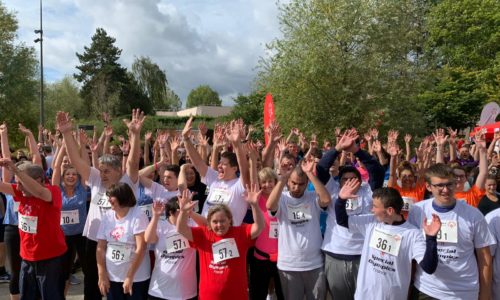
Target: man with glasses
{"type": "Point", "coordinates": [464, 270]}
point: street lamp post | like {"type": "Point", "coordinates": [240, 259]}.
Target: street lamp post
{"type": "Point", "coordinates": [40, 40]}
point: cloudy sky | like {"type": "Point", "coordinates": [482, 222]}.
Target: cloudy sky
{"type": "Point", "coordinates": [214, 42]}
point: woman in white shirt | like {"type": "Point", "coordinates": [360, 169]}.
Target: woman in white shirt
{"type": "Point", "coordinates": [122, 265]}
{"type": "Point", "coordinates": [174, 273]}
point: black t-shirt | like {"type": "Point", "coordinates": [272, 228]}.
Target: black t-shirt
{"type": "Point", "coordinates": [486, 205]}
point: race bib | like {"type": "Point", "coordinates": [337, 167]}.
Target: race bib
{"type": "Point", "coordinates": [118, 252]}
{"type": "Point", "coordinates": [352, 204]}
{"type": "Point", "coordinates": [176, 243]}
{"type": "Point", "coordinates": [147, 209]}
{"type": "Point", "coordinates": [16, 206]}
{"type": "Point", "coordinates": [28, 224]}
{"type": "Point", "coordinates": [102, 200]}
{"type": "Point", "coordinates": [70, 217]}
{"type": "Point", "coordinates": [385, 241]}
{"type": "Point", "coordinates": [224, 249]}
{"type": "Point", "coordinates": [407, 203]}
{"type": "Point", "coordinates": [273, 229]}
{"type": "Point", "coordinates": [300, 212]}
{"type": "Point", "coordinates": [219, 196]}
{"type": "Point", "coordinates": [448, 232]}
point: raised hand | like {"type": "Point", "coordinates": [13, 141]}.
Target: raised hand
{"type": "Point", "coordinates": [158, 208]}
{"type": "Point", "coordinates": [295, 131]}
{"type": "Point", "coordinates": [480, 141]}
{"type": "Point", "coordinates": [63, 122]}
{"type": "Point", "coordinates": [3, 128]}
{"type": "Point", "coordinates": [252, 194]}
{"type": "Point", "coordinates": [148, 135]}
{"type": "Point", "coordinates": [408, 138]}
{"type": "Point", "coordinates": [125, 147]}
{"type": "Point", "coordinates": [233, 134]}
{"type": "Point", "coordinates": [135, 124]}
{"type": "Point", "coordinates": [186, 132]}
{"type": "Point", "coordinates": [24, 130]}
{"type": "Point", "coordinates": [433, 228]}
{"type": "Point", "coordinates": [347, 140]}
{"type": "Point", "coordinates": [374, 133]}
{"type": "Point", "coordinates": [275, 132]}
{"type": "Point", "coordinates": [307, 165]}
{"type": "Point", "coordinates": [108, 131]}
{"type": "Point", "coordinates": [440, 137]}
{"type": "Point", "coordinates": [185, 201]}
{"type": "Point", "coordinates": [376, 146]}
{"type": "Point", "coordinates": [349, 189]}
{"type": "Point", "coordinates": [282, 145]}
{"type": "Point", "coordinates": [393, 149]}
{"type": "Point", "coordinates": [84, 139]}
{"type": "Point", "coordinates": [453, 135]}
{"type": "Point", "coordinates": [392, 136]}
{"type": "Point", "coordinates": [202, 127]}
{"type": "Point", "coordinates": [367, 136]}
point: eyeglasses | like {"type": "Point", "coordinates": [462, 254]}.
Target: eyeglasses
{"type": "Point", "coordinates": [441, 186]}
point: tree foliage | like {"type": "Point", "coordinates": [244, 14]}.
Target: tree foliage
{"type": "Point", "coordinates": [347, 62]}
{"type": "Point", "coordinates": [203, 95]}
{"type": "Point", "coordinates": [464, 38]}
{"type": "Point", "coordinates": [63, 95]}
{"type": "Point", "coordinates": [18, 72]}
{"type": "Point", "coordinates": [107, 86]}
{"type": "Point", "coordinates": [153, 81]}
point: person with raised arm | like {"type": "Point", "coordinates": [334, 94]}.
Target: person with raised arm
{"type": "Point", "coordinates": [42, 239]}
{"type": "Point", "coordinates": [390, 244]}
{"type": "Point", "coordinates": [300, 261]}
{"type": "Point", "coordinates": [108, 172]}
{"type": "Point", "coordinates": [224, 185]}
{"type": "Point", "coordinates": [222, 247]}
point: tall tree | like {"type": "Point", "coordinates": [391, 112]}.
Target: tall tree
{"type": "Point", "coordinates": [153, 81]}
{"type": "Point", "coordinates": [106, 85]}
{"type": "Point", "coordinates": [347, 63]}
{"type": "Point", "coordinates": [203, 95]}
{"type": "Point", "coordinates": [18, 83]}
{"type": "Point", "coordinates": [464, 38]}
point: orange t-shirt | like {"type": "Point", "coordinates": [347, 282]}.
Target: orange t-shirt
{"type": "Point", "coordinates": [472, 196]}
{"type": "Point", "coordinates": [410, 196]}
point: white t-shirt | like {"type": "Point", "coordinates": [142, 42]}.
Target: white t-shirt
{"type": "Point", "coordinates": [465, 228]}
{"type": "Point", "coordinates": [156, 192]}
{"type": "Point", "coordinates": [120, 235]}
{"type": "Point", "coordinates": [229, 192]}
{"type": "Point", "coordinates": [493, 220]}
{"type": "Point", "coordinates": [338, 239]}
{"type": "Point", "coordinates": [386, 274]}
{"type": "Point", "coordinates": [99, 203]}
{"type": "Point", "coordinates": [299, 239]}
{"type": "Point", "coordinates": [174, 274]}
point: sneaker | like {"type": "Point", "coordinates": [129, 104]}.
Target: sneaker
{"type": "Point", "coordinates": [73, 280]}
{"type": "Point", "coordinates": [5, 278]}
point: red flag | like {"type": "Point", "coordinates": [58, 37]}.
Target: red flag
{"type": "Point", "coordinates": [268, 113]}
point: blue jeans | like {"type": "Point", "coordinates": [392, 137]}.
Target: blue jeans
{"type": "Point", "coordinates": [42, 279]}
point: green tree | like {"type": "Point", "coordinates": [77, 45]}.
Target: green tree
{"type": "Point", "coordinates": [347, 63]}
{"type": "Point", "coordinates": [18, 73]}
{"type": "Point", "coordinates": [203, 95]}
{"type": "Point", "coordinates": [464, 39]}
{"type": "Point", "coordinates": [107, 87]}
{"type": "Point", "coordinates": [153, 81]}
{"type": "Point", "coordinates": [63, 95]}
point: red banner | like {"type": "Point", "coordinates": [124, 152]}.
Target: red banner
{"type": "Point", "coordinates": [268, 113]}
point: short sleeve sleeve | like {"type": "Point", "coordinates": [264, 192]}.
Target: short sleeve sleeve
{"type": "Point", "coordinates": [140, 222]}
{"type": "Point", "coordinates": [210, 177]}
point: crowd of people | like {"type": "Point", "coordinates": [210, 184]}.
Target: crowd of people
{"type": "Point", "coordinates": [216, 214]}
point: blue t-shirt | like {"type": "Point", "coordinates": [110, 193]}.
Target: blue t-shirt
{"type": "Point", "coordinates": [77, 202]}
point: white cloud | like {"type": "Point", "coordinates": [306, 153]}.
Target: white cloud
{"type": "Point", "coordinates": [214, 42]}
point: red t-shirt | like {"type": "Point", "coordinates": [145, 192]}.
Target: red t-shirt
{"type": "Point", "coordinates": [226, 279]}
{"type": "Point", "coordinates": [48, 241]}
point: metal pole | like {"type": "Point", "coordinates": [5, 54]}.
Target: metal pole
{"type": "Point", "coordinates": [41, 68]}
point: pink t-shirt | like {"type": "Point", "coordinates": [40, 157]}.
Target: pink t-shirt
{"type": "Point", "coordinates": [267, 242]}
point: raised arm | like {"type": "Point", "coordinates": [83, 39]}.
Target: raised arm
{"type": "Point", "coordinates": [234, 137]}
{"type": "Point", "coordinates": [274, 136]}
{"type": "Point", "coordinates": [56, 175]}
{"type": "Point", "coordinates": [252, 163]}
{"type": "Point", "coordinates": [83, 138]}
{"type": "Point", "coordinates": [483, 162]}
{"type": "Point", "coordinates": [440, 139]}
{"type": "Point", "coordinates": [323, 195]}
{"type": "Point", "coordinates": [348, 191]}
{"type": "Point", "coordinates": [134, 128]}
{"type": "Point", "coordinates": [4, 140]}
{"type": "Point", "coordinates": [272, 203]}
{"type": "Point", "coordinates": [32, 186]}
{"type": "Point", "coordinates": [453, 143]}
{"type": "Point", "coordinates": [147, 142]}
{"type": "Point", "coordinates": [196, 159]}
{"type": "Point", "coordinates": [408, 146]}
{"type": "Point", "coordinates": [65, 126]}
{"type": "Point", "coordinates": [35, 154]}
{"type": "Point", "coordinates": [186, 206]}
{"type": "Point", "coordinates": [150, 234]}
{"type": "Point", "coordinates": [252, 197]}
{"type": "Point", "coordinates": [393, 150]}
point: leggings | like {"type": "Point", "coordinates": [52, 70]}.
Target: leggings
{"type": "Point", "coordinates": [12, 250]}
